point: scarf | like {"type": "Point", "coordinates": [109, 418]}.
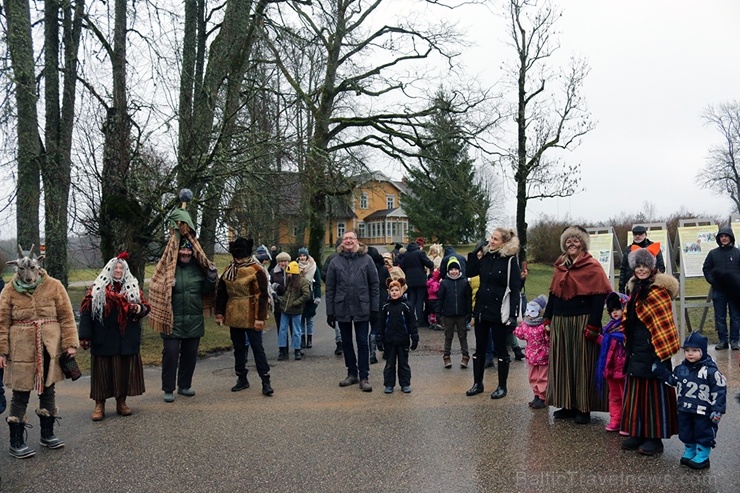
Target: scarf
{"type": "Point", "coordinates": [233, 267]}
{"type": "Point", "coordinates": [161, 316]}
{"type": "Point", "coordinates": [582, 277]}
{"type": "Point", "coordinates": [113, 297]}
{"type": "Point", "coordinates": [24, 288]}
{"type": "Point", "coordinates": [651, 305]}
{"type": "Point", "coordinates": [127, 288]}
{"type": "Point", "coordinates": [533, 321]}
{"type": "Point", "coordinates": [308, 269]}
{"type": "Point", "coordinates": [613, 331]}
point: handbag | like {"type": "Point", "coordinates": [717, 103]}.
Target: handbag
{"type": "Point", "coordinates": [69, 365]}
{"type": "Point", "coordinates": [506, 300]}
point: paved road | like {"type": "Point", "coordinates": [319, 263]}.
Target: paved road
{"type": "Point", "coordinates": [313, 436]}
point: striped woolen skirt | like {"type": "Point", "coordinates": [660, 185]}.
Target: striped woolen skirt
{"type": "Point", "coordinates": [649, 408]}
{"type": "Point", "coordinates": [116, 376]}
{"type": "Point", "coordinates": [572, 374]}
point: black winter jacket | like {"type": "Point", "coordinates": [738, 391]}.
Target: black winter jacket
{"type": "Point", "coordinates": [492, 269]}
{"type": "Point", "coordinates": [398, 324]}
{"type": "Point", "coordinates": [722, 265]}
{"type": "Point", "coordinates": [413, 264]}
{"type": "Point", "coordinates": [455, 297]}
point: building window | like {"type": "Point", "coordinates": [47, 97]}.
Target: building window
{"type": "Point", "coordinates": [361, 230]}
{"type": "Point", "coordinates": [364, 201]}
{"type": "Point", "coordinates": [341, 227]}
{"type": "Point", "coordinates": [390, 201]}
{"type": "Point", "coordinates": [295, 231]}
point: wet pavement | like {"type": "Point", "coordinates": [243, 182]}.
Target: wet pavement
{"type": "Point", "coordinates": [313, 436]}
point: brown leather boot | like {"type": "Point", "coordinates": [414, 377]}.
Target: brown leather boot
{"type": "Point", "coordinates": [122, 408]}
{"type": "Point", "coordinates": [99, 412]}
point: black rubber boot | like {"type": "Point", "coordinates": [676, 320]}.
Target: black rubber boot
{"type": "Point", "coordinates": [478, 369]}
{"type": "Point", "coordinates": [266, 387]}
{"type": "Point", "coordinates": [18, 434]}
{"type": "Point", "coordinates": [503, 375]}
{"type": "Point", "coordinates": [241, 383]}
{"type": "Point", "coordinates": [283, 354]}
{"type": "Point", "coordinates": [47, 430]}
{"type": "Point", "coordinates": [297, 355]}
{"type": "Point", "coordinates": [309, 342]}
{"type": "Point", "coordinates": [339, 351]}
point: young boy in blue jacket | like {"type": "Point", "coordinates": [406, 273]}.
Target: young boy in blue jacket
{"type": "Point", "coordinates": [702, 395]}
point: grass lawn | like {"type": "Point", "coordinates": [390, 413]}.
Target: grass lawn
{"type": "Point", "coordinates": [217, 338]}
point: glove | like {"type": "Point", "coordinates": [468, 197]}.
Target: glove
{"type": "Point", "coordinates": [85, 344]}
{"type": "Point", "coordinates": [219, 319]}
{"type": "Point", "coordinates": [591, 332]}
{"type": "Point", "coordinates": [414, 344]}
{"type": "Point", "coordinates": [715, 416]}
{"type": "Point", "coordinates": [317, 301]}
{"type": "Point", "coordinates": [275, 286]}
{"type": "Point", "coordinates": [661, 372]}
{"type": "Point", "coordinates": [373, 316]}
{"type": "Point", "coordinates": [331, 320]}
{"type": "Point", "coordinates": [479, 246]}
{"type": "Point", "coordinates": [379, 344]}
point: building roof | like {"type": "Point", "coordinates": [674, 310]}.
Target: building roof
{"type": "Point", "coordinates": [395, 212]}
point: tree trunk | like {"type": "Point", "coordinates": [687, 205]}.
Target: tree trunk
{"type": "Point", "coordinates": [20, 45]}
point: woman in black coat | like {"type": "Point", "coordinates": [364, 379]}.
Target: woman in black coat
{"type": "Point", "coordinates": [497, 267]}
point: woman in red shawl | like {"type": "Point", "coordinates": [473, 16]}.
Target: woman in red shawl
{"type": "Point", "coordinates": [649, 409]}
{"type": "Point", "coordinates": [110, 327]}
{"type": "Point", "coordinates": [573, 315]}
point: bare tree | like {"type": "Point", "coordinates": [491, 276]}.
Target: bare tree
{"type": "Point", "coordinates": [366, 97]}
{"type": "Point", "coordinates": [722, 170]}
{"type": "Point", "coordinates": [546, 119]}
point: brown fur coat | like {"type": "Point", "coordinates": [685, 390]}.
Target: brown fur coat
{"type": "Point", "coordinates": [47, 310]}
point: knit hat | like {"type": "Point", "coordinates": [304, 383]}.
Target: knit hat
{"type": "Point", "coordinates": [293, 268]}
{"type": "Point", "coordinates": [420, 241]}
{"type": "Point", "coordinates": [241, 247]}
{"type": "Point", "coordinates": [536, 306]}
{"type": "Point", "coordinates": [644, 256]}
{"type": "Point", "coordinates": [453, 263]}
{"type": "Point", "coordinates": [696, 340]}
{"type": "Point", "coordinates": [575, 232]}
{"type": "Point", "coordinates": [262, 254]}
{"type": "Point", "coordinates": [185, 243]}
{"type": "Point", "coordinates": [282, 256]}
{"type": "Point", "coordinates": [303, 251]}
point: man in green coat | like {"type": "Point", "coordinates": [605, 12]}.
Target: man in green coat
{"type": "Point", "coordinates": [180, 348]}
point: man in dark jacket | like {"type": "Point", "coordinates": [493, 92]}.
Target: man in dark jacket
{"type": "Point", "coordinates": [639, 240]}
{"type": "Point", "coordinates": [352, 298]}
{"type": "Point", "coordinates": [413, 265]}
{"type": "Point", "coordinates": [722, 271]}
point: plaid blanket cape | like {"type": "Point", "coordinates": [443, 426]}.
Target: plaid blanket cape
{"type": "Point", "coordinates": [161, 316]}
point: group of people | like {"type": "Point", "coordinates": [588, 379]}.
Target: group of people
{"type": "Point", "coordinates": [374, 302]}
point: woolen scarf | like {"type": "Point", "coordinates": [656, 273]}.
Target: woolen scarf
{"type": "Point", "coordinates": [582, 277]}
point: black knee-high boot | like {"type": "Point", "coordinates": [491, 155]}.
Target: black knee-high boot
{"type": "Point", "coordinates": [503, 375]}
{"type": "Point", "coordinates": [478, 369]}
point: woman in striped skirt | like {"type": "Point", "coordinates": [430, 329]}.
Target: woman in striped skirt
{"type": "Point", "coordinates": [573, 316]}
{"type": "Point", "coordinates": [110, 327]}
{"type": "Point", "coordinates": [649, 409]}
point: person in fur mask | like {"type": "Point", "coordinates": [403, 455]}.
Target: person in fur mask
{"type": "Point", "coordinates": [498, 269]}
{"type": "Point", "coordinates": [577, 292]}
{"type": "Point", "coordinates": [649, 411]}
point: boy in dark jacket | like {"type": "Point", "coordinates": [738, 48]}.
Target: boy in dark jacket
{"type": "Point", "coordinates": [455, 308]}
{"type": "Point", "coordinates": [397, 328]}
{"type": "Point", "coordinates": [702, 395]}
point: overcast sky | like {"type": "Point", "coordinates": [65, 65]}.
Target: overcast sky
{"type": "Point", "coordinates": [655, 67]}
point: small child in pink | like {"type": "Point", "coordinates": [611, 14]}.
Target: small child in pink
{"type": "Point", "coordinates": [537, 351]}
{"type": "Point", "coordinates": [432, 288]}
{"type": "Point", "coordinates": [610, 365]}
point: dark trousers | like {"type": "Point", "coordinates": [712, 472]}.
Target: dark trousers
{"type": "Point", "coordinates": [483, 330]}
{"type": "Point", "coordinates": [47, 397]}
{"type": "Point", "coordinates": [178, 354]}
{"type": "Point", "coordinates": [723, 302]}
{"type": "Point", "coordinates": [395, 352]}
{"type": "Point", "coordinates": [416, 302]}
{"type": "Point", "coordinates": [359, 363]}
{"type": "Point", "coordinates": [238, 340]}
{"type": "Point", "coordinates": [696, 428]}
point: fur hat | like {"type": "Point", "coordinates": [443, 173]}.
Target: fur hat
{"type": "Point", "coordinates": [241, 247]}
{"type": "Point", "coordinates": [575, 232]}
{"type": "Point", "coordinates": [282, 256]}
{"type": "Point", "coordinates": [615, 301]}
{"type": "Point", "coordinates": [293, 268]}
{"type": "Point", "coordinates": [303, 251]}
{"type": "Point", "coordinates": [400, 282]}
{"type": "Point", "coordinates": [644, 256]}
